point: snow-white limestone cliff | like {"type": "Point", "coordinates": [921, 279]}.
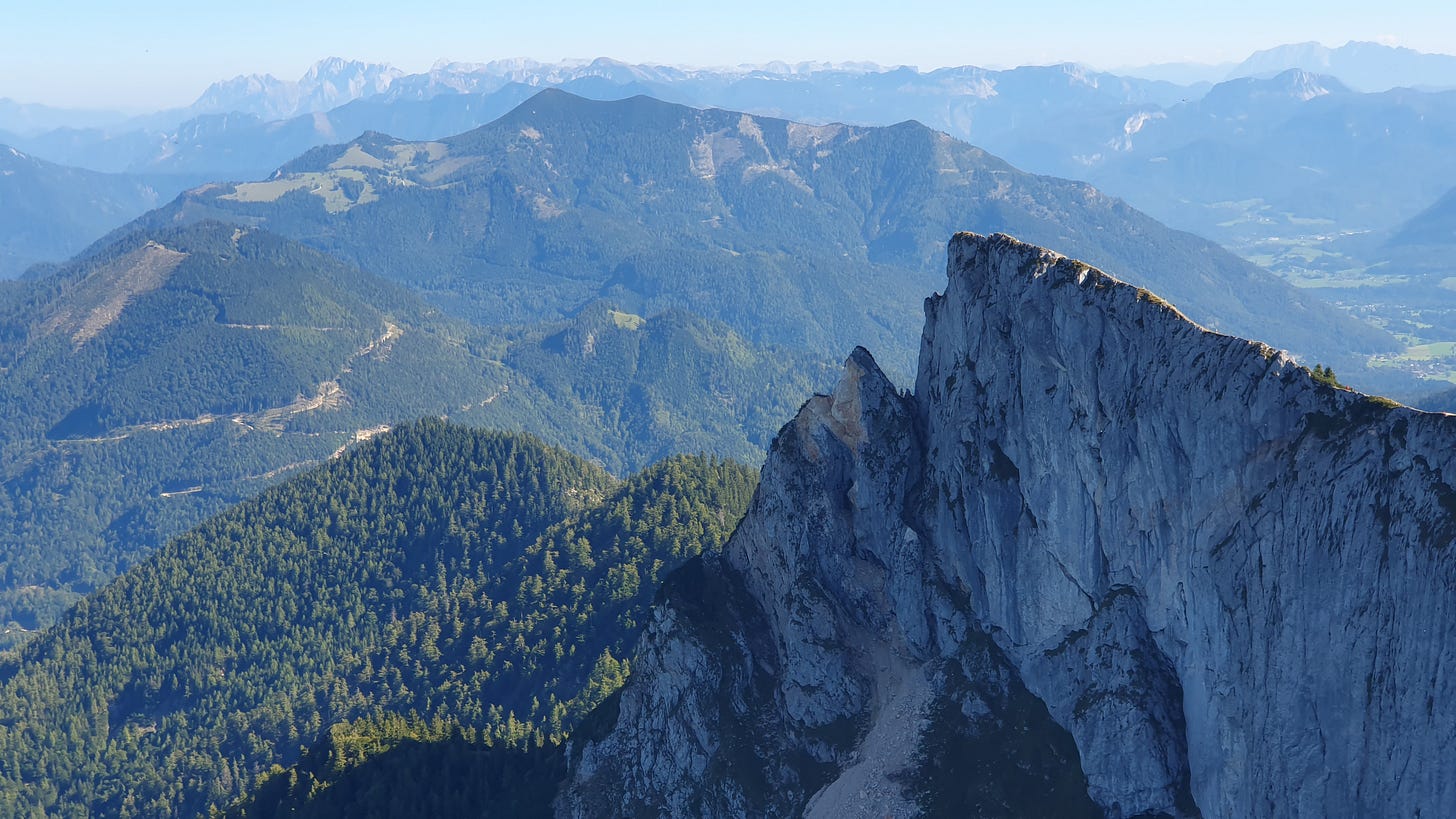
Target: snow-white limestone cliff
{"type": "Point", "coordinates": [1101, 561]}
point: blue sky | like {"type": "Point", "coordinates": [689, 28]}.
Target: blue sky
{"type": "Point", "coordinates": [155, 53]}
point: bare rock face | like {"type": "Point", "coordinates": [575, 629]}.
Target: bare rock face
{"type": "Point", "coordinates": [1101, 562]}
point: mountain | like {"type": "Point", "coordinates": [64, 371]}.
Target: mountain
{"type": "Point", "coordinates": [106, 150]}
{"type": "Point", "coordinates": [1434, 226]}
{"type": "Point", "coordinates": [233, 146]}
{"type": "Point", "coordinates": [1101, 561]}
{"type": "Point", "coordinates": [247, 146]}
{"type": "Point", "coordinates": [327, 84]}
{"type": "Point", "coordinates": [995, 109]}
{"type": "Point", "coordinates": [1271, 166]}
{"type": "Point", "coordinates": [1180, 73]}
{"type": "Point", "coordinates": [1004, 112]}
{"type": "Point", "coordinates": [1410, 276]}
{"type": "Point", "coordinates": [453, 77]}
{"type": "Point", "coordinates": [842, 89]}
{"type": "Point", "coordinates": [32, 118]}
{"type": "Point", "coordinates": [1285, 151]}
{"type": "Point", "coordinates": [1302, 176]}
{"type": "Point", "coordinates": [435, 573]}
{"type": "Point", "coordinates": [48, 212]}
{"type": "Point", "coordinates": [237, 129]}
{"type": "Point", "coordinates": [1266, 98]}
{"type": "Point", "coordinates": [168, 375]}
{"type": "Point", "coordinates": [247, 94]}
{"type": "Point", "coordinates": [236, 146]}
{"type": "Point", "coordinates": [1256, 159]}
{"type": "Point", "coordinates": [1363, 65]}
{"type": "Point", "coordinates": [564, 201]}
{"type": "Point", "coordinates": [1279, 168]}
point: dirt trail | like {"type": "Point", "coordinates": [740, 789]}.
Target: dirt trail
{"type": "Point", "coordinates": [328, 395]}
{"type": "Point", "coordinates": [191, 490]}
{"type": "Point", "coordinates": [359, 437]}
{"type": "Point", "coordinates": [383, 345]}
{"type": "Point", "coordinates": [235, 326]}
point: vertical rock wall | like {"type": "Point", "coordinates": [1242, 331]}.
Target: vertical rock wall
{"type": "Point", "coordinates": [1102, 561]}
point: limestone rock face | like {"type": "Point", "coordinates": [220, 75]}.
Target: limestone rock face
{"type": "Point", "coordinates": [1101, 561]}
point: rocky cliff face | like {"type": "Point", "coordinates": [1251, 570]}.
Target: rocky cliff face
{"type": "Point", "coordinates": [1102, 561]}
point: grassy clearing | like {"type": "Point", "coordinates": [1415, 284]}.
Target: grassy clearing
{"type": "Point", "coordinates": [411, 154]}
{"type": "Point", "coordinates": [1433, 361]}
{"type": "Point", "coordinates": [356, 157]}
{"type": "Point", "coordinates": [626, 321]}
{"type": "Point", "coordinates": [329, 187]}
{"type": "Point", "coordinates": [1427, 352]}
{"type": "Point", "coordinates": [270, 191]}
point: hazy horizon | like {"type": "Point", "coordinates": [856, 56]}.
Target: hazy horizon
{"type": "Point", "coordinates": [151, 56]}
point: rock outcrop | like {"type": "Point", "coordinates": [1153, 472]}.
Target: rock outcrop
{"type": "Point", "coordinates": [1101, 561]}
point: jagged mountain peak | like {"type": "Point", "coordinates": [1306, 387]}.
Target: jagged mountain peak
{"type": "Point", "coordinates": [335, 80]}
{"type": "Point", "coordinates": [993, 262]}
{"type": "Point", "coordinates": [1235, 97]}
{"type": "Point", "coordinates": [1306, 85]}
{"type": "Point", "coordinates": [1201, 579]}
{"type": "Point", "coordinates": [334, 67]}
{"type": "Point", "coordinates": [1249, 487]}
{"type": "Point", "coordinates": [327, 84]}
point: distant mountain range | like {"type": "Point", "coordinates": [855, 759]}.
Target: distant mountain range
{"type": "Point", "coordinates": [1309, 179]}
{"type": "Point", "coordinates": [34, 118]}
{"type": "Point", "coordinates": [1284, 170]}
{"type": "Point", "coordinates": [1300, 144]}
{"type": "Point", "coordinates": [327, 84]}
{"type": "Point", "coordinates": [565, 200]}
{"type": "Point", "coordinates": [335, 81]}
{"type": "Point", "coordinates": [1243, 162]}
{"type": "Point", "coordinates": [1363, 66]}
{"type": "Point", "coordinates": [453, 97]}
{"type": "Point", "coordinates": [1255, 155]}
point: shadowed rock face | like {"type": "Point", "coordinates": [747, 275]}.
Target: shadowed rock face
{"type": "Point", "coordinates": [1101, 561]}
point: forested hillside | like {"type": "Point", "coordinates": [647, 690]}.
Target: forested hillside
{"type": "Point", "coordinates": [630, 390]}
{"type": "Point", "coordinates": [449, 574]}
{"type": "Point", "coordinates": [170, 374]}
{"type": "Point", "coordinates": [165, 376]}
{"type": "Point", "coordinates": [393, 766]}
